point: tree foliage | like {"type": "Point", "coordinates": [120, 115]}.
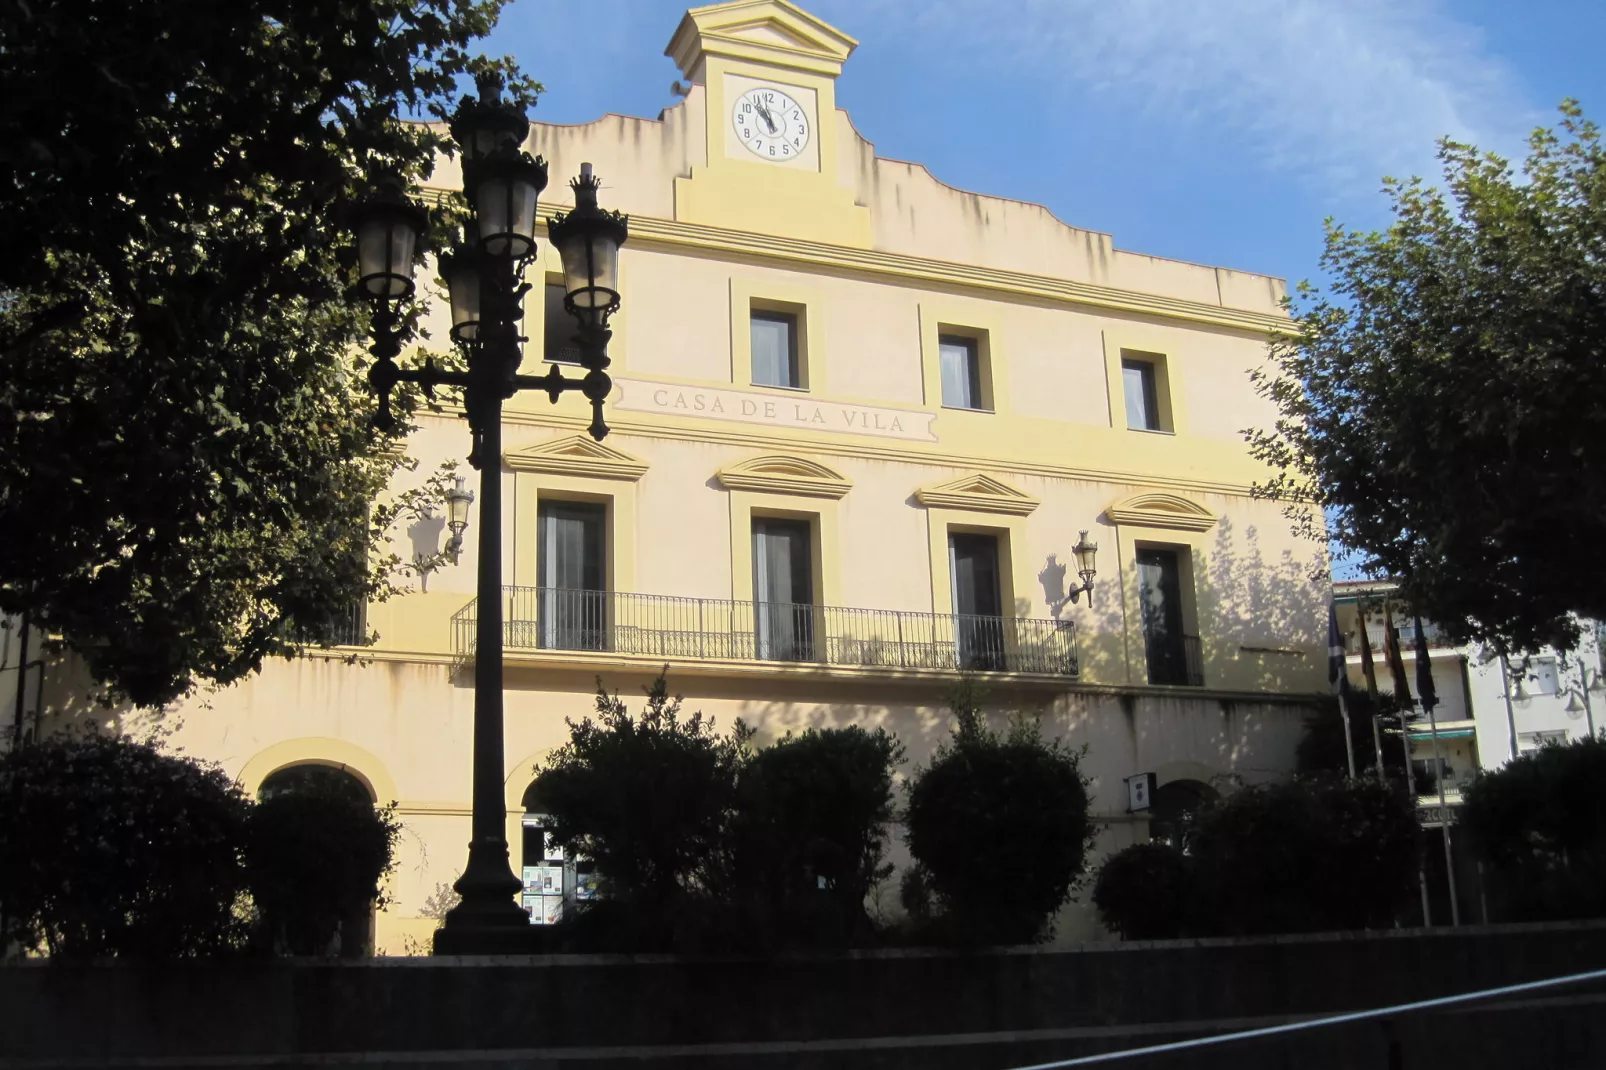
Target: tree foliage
{"type": "Point", "coordinates": [1311, 854]}
{"type": "Point", "coordinates": [109, 847]}
{"type": "Point", "coordinates": [316, 851]}
{"type": "Point", "coordinates": [998, 823]}
{"type": "Point", "coordinates": [647, 799]}
{"type": "Point", "coordinates": [183, 429]}
{"type": "Point", "coordinates": [809, 833]}
{"type": "Point", "coordinates": [1446, 403]}
{"type": "Point", "coordinates": [1147, 891]}
{"type": "Point", "coordinates": [1540, 823]}
{"type": "Point", "coordinates": [1317, 853]}
{"type": "Point", "coordinates": [1321, 749]}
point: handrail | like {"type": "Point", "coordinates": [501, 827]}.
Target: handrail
{"type": "Point", "coordinates": [669, 626]}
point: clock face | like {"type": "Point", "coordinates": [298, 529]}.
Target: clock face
{"type": "Point", "coordinates": [771, 124]}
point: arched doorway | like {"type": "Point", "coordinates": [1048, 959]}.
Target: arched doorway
{"type": "Point", "coordinates": [355, 935]}
{"type": "Point", "coordinates": [553, 881]}
{"type": "Point", "coordinates": [1173, 807]}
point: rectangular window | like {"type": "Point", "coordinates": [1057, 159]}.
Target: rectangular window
{"type": "Point", "coordinates": [961, 372]}
{"type": "Point", "coordinates": [1142, 395]}
{"type": "Point", "coordinates": [572, 575]}
{"type": "Point", "coordinates": [1172, 656]}
{"type": "Point", "coordinates": [783, 589]}
{"type": "Point", "coordinates": [558, 338]}
{"type": "Point", "coordinates": [978, 601]}
{"type": "Point", "coordinates": [774, 338]}
{"type": "Point", "coordinates": [1542, 676]}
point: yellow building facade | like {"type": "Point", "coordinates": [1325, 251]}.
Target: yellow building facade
{"type": "Point", "coordinates": [860, 418]}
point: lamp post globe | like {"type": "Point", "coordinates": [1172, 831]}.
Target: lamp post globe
{"type": "Point", "coordinates": [388, 227]}
{"type": "Point", "coordinates": [588, 241]}
{"type": "Point", "coordinates": [462, 269]}
{"type": "Point", "coordinates": [504, 187]}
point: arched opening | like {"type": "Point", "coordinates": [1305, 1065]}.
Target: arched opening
{"type": "Point", "coordinates": [315, 777]}
{"type": "Point", "coordinates": [552, 879]}
{"type": "Point", "coordinates": [355, 935]}
{"type": "Point", "coordinates": [1173, 808]}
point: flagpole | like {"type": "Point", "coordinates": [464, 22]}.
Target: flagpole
{"type": "Point", "coordinates": [1377, 744]}
{"type": "Point", "coordinates": [1338, 678]}
{"type": "Point", "coordinates": [1430, 699]}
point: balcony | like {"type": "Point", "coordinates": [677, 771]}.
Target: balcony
{"type": "Point", "coordinates": [662, 626]}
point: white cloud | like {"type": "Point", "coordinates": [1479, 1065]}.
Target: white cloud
{"type": "Point", "coordinates": [1338, 92]}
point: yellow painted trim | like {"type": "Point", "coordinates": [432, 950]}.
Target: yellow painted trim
{"type": "Point", "coordinates": [805, 302]}
{"type": "Point", "coordinates": [717, 29]}
{"type": "Point", "coordinates": [981, 321]}
{"type": "Point", "coordinates": [782, 474]}
{"type": "Point", "coordinates": [579, 455]}
{"type": "Point", "coordinates": [647, 231]}
{"type": "Point", "coordinates": [821, 513]}
{"type": "Point", "coordinates": [319, 750]}
{"type": "Point", "coordinates": [619, 497]}
{"type": "Point", "coordinates": [978, 492]}
{"type": "Point", "coordinates": [1157, 509]}
{"type": "Point", "coordinates": [1159, 349]}
{"type": "Point", "coordinates": [908, 453]}
{"type": "Point", "coordinates": [1193, 562]}
{"type": "Point", "coordinates": [1014, 572]}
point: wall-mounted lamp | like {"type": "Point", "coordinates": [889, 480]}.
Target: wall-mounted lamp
{"type": "Point", "coordinates": [458, 499]}
{"type": "Point", "coordinates": [1086, 554]}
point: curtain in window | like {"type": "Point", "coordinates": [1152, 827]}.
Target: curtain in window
{"type": "Point", "coordinates": [783, 591]}
{"type": "Point", "coordinates": [573, 609]}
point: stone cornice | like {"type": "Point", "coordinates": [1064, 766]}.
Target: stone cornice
{"type": "Point", "coordinates": [977, 492]}
{"type": "Point", "coordinates": [650, 231]}
{"type": "Point", "coordinates": [783, 474]}
{"type": "Point", "coordinates": [1155, 509]}
{"type": "Point", "coordinates": [577, 455]}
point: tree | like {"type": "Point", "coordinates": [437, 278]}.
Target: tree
{"type": "Point", "coordinates": [1147, 891]}
{"type": "Point", "coordinates": [809, 833]}
{"type": "Point", "coordinates": [1540, 823]}
{"type": "Point", "coordinates": [1446, 404]}
{"type": "Point", "coordinates": [1311, 854]}
{"type": "Point", "coordinates": [999, 825]}
{"type": "Point", "coordinates": [110, 847]}
{"type": "Point", "coordinates": [1321, 749]}
{"type": "Point", "coordinates": [315, 851]}
{"type": "Point", "coordinates": [183, 429]}
{"type": "Point", "coordinates": [648, 799]}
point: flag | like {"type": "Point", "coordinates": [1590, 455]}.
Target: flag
{"type": "Point", "coordinates": [1368, 670]}
{"type": "Point", "coordinates": [1391, 652]}
{"type": "Point", "coordinates": [1337, 672]}
{"type": "Point", "coordinates": [1424, 670]}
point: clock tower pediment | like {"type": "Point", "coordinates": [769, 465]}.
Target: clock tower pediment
{"type": "Point", "coordinates": [768, 70]}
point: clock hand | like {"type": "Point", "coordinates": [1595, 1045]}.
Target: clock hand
{"type": "Point", "coordinates": [769, 120]}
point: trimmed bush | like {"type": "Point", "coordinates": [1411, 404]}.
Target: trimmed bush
{"type": "Point", "coordinates": [315, 854]}
{"type": "Point", "coordinates": [1308, 855]}
{"type": "Point", "coordinates": [109, 847]}
{"type": "Point", "coordinates": [648, 800]}
{"type": "Point", "coordinates": [1539, 822]}
{"type": "Point", "coordinates": [1147, 892]}
{"type": "Point", "coordinates": [809, 834]}
{"type": "Point", "coordinates": [999, 824]}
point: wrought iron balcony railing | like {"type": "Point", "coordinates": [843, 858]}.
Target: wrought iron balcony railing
{"type": "Point", "coordinates": [543, 618]}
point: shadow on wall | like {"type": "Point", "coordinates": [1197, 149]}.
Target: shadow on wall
{"type": "Point", "coordinates": [1258, 620]}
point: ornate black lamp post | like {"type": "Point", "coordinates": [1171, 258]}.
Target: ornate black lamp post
{"type": "Point", "coordinates": [484, 275]}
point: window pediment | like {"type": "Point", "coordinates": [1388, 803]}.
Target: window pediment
{"type": "Point", "coordinates": [977, 492]}
{"type": "Point", "coordinates": [1157, 509]}
{"type": "Point", "coordinates": [783, 474]}
{"type": "Point", "coordinates": [578, 455]}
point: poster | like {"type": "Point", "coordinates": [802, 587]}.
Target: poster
{"type": "Point", "coordinates": [548, 880]}
{"type": "Point", "coordinates": [585, 886]}
{"type": "Point", "coordinates": [551, 909]}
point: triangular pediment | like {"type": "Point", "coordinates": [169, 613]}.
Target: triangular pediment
{"type": "Point", "coordinates": [1159, 509]}
{"type": "Point", "coordinates": [577, 455]}
{"type": "Point", "coordinates": [978, 492]}
{"type": "Point", "coordinates": [765, 31]}
{"type": "Point", "coordinates": [777, 473]}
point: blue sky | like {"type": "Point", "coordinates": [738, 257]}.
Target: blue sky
{"type": "Point", "coordinates": [1221, 131]}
